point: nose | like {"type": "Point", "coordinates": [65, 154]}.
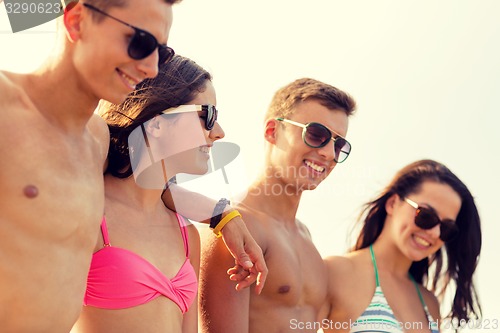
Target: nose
{"type": "Point", "coordinates": [435, 231]}
{"type": "Point", "coordinates": [327, 152]}
{"type": "Point", "coordinates": [216, 133]}
{"type": "Point", "coordinates": [149, 65]}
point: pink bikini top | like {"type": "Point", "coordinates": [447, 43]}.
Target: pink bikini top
{"type": "Point", "coordinates": [119, 278]}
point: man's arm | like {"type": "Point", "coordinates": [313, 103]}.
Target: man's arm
{"type": "Point", "coordinates": [241, 245]}
{"type": "Point", "coordinates": [223, 309]}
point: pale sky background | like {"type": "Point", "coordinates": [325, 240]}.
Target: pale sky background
{"type": "Point", "coordinates": [425, 75]}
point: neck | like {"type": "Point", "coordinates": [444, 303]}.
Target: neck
{"type": "Point", "coordinates": [271, 195]}
{"type": "Point", "coordinates": [390, 258]}
{"type": "Point", "coordinates": [60, 98]}
{"type": "Point", "coordinates": [132, 195]}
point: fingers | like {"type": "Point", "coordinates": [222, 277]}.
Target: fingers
{"type": "Point", "coordinates": [261, 269]}
{"type": "Point", "coordinates": [258, 273]}
{"type": "Point", "coordinates": [247, 276]}
{"type": "Point", "coordinates": [237, 273]}
{"type": "Point", "coordinates": [240, 276]}
{"type": "Point", "coordinates": [251, 277]}
{"type": "Point", "coordinates": [247, 254]}
{"type": "Point", "coordinates": [244, 260]}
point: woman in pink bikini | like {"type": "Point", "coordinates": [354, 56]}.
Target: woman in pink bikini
{"type": "Point", "coordinates": [420, 238]}
{"type": "Point", "coordinates": [144, 272]}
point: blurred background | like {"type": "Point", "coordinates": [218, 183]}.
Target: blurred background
{"type": "Point", "coordinates": [425, 75]}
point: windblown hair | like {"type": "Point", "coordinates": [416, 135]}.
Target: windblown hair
{"type": "Point", "coordinates": [177, 83]}
{"type": "Point", "coordinates": [286, 98]}
{"type": "Point", "coordinates": [461, 253]}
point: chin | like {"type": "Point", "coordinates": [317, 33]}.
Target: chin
{"type": "Point", "coordinates": [115, 98]}
{"type": "Point", "coordinates": [312, 184]}
{"type": "Point", "coordinates": [310, 187]}
{"type": "Point", "coordinates": [417, 255]}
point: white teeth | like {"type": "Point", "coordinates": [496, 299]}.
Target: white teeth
{"type": "Point", "coordinates": [130, 81]}
{"type": "Point", "coordinates": [205, 149]}
{"type": "Point", "coordinates": [421, 241]}
{"type": "Point", "coordinates": [314, 166]}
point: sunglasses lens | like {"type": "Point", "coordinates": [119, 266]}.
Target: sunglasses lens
{"type": "Point", "coordinates": [317, 135]}
{"type": "Point", "coordinates": [449, 230]}
{"type": "Point", "coordinates": [342, 149]}
{"type": "Point", "coordinates": [141, 45]}
{"type": "Point", "coordinates": [426, 218]}
{"type": "Point", "coordinates": [211, 117]}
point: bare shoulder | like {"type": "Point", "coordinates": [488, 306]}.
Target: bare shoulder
{"type": "Point", "coordinates": [193, 233]}
{"type": "Point", "coordinates": [345, 271]}
{"type": "Point", "coordinates": [7, 83]}
{"type": "Point", "coordinates": [194, 243]}
{"type": "Point", "coordinates": [340, 266]}
{"type": "Point", "coordinates": [256, 223]}
{"type": "Point", "coordinates": [11, 91]}
{"type": "Point", "coordinates": [98, 128]}
{"type": "Point", "coordinates": [431, 301]}
{"type": "Point", "coordinates": [304, 229]}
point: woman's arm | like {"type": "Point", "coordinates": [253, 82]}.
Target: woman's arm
{"type": "Point", "coordinates": [235, 234]}
{"type": "Point", "coordinates": [190, 320]}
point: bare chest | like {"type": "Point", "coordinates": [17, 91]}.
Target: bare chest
{"type": "Point", "coordinates": [52, 184]}
{"type": "Point", "coordinates": [297, 275]}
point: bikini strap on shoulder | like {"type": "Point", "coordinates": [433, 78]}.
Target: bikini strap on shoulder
{"type": "Point", "coordinates": [104, 231]}
{"type": "Point", "coordinates": [418, 290]}
{"type": "Point", "coordinates": [184, 231]}
{"type": "Point", "coordinates": [374, 261]}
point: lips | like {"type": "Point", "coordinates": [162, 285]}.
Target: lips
{"type": "Point", "coordinates": [128, 80]}
{"type": "Point", "coordinates": [421, 241]}
{"type": "Point", "coordinates": [315, 166]}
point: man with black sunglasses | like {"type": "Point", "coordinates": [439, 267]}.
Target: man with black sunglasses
{"type": "Point", "coordinates": [305, 131]}
{"type": "Point", "coordinates": [53, 150]}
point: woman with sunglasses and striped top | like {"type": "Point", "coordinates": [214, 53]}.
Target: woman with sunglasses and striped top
{"type": "Point", "coordinates": [420, 239]}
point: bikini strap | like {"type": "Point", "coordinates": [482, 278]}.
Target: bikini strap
{"type": "Point", "coordinates": [184, 232]}
{"type": "Point", "coordinates": [104, 231]}
{"type": "Point", "coordinates": [374, 261]}
{"type": "Point", "coordinates": [418, 291]}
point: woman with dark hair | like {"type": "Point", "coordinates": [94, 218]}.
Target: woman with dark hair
{"type": "Point", "coordinates": [420, 239]}
{"type": "Point", "coordinates": [144, 272]}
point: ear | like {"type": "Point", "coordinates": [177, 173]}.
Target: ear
{"type": "Point", "coordinates": [153, 127]}
{"type": "Point", "coordinates": [270, 130]}
{"type": "Point", "coordinates": [390, 203]}
{"type": "Point", "coordinates": [72, 19]}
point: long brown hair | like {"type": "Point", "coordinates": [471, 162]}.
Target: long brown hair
{"type": "Point", "coordinates": [459, 255]}
{"type": "Point", "coordinates": [178, 82]}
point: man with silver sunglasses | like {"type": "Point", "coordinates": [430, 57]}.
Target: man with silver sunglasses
{"type": "Point", "coordinates": [305, 131]}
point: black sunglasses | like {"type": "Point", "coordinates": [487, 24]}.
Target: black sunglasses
{"type": "Point", "coordinates": [426, 218]}
{"type": "Point", "coordinates": [317, 135]}
{"type": "Point", "coordinates": [142, 43]}
{"type": "Point", "coordinates": [209, 113]}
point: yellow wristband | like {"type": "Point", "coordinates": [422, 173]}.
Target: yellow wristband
{"type": "Point", "coordinates": [224, 221]}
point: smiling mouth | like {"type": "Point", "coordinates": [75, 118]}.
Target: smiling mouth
{"type": "Point", "coordinates": [314, 166]}
{"type": "Point", "coordinates": [131, 82]}
{"type": "Point", "coordinates": [421, 241]}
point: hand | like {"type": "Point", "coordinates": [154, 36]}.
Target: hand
{"type": "Point", "coordinates": [247, 254]}
{"type": "Point", "coordinates": [238, 273]}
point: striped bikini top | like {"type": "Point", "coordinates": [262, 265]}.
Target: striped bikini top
{"type": "Point", "coordinates": [379, 317]}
